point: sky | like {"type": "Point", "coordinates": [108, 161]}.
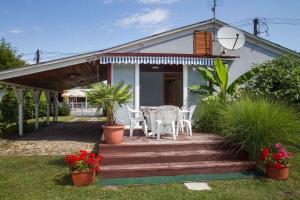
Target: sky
{"type": "Point", "coordinates": [65, 27]}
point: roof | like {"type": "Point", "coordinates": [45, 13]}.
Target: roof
{"type": "Point", "coordinates": [84, 58]}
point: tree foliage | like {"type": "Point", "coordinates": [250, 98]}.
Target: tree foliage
{"type": "Point", "coordinates": [9, 57]}
{"type": "Point", "coordinates": [278, 79]}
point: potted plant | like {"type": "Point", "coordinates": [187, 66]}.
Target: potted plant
{"type": "Point", "coordinates": [110, 98]}
{"type": "Point", "coordinates": [276, 161]}
{"type": "Point", "coordinates": [83, 167]}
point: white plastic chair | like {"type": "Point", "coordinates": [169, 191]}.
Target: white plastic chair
{"type": "Point", "coordinates": [166, 116]}
{"type": "Point", "coordinates": [188, 122]}
{"type": "Point", "coordinates": [135, 117]}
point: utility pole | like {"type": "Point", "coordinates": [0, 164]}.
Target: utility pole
{"type": "Point", "coordinates": [255, 26]}
{"type": "Point", "coordinates": [37, 57]}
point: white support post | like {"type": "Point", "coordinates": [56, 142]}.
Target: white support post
{"type": "Point", "coordinates": [185, 85]}
{"type": "Point", "coordinates": [20, 98]}
{"type": "Point", "coordinates": [48, 99]}
{"type": "Point", "coordinates": [3, 92]}
{"type": "Point", "coordinates": [86, 103]}
{"type": "Point", "coordinates": [56, 106]}
{"type": "Point", "coordinates": [36, 95]}
{"type": "Point", "coordinates": [137, 86]}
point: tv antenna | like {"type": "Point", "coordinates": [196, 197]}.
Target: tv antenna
{"type": "Point", "coordinates": [213, 9]}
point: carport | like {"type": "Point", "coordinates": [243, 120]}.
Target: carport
{"type": "Point", "coordinates": [52, 77]}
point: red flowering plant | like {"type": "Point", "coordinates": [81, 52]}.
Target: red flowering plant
{"type": "Point", "coordinates": [279, 158]}
{"type": "Point", "coordinates": [83, 161]}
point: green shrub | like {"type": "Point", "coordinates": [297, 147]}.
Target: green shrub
{"type": "Point", "coordinates": [207, 114]}
{"type": "Point", "coordinates": [277, 79]}
{"type": "Point", "coordinates": [63, 109]}
{"type": "Point", "coordinates": [255, 123]}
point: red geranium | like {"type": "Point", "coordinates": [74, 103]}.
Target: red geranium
{"type": "Point", "coordinates": [83, 161]}
{"type": "Point", "coordinates": [264, 153]}
{"type": "Point", "coordinates": [278, 165]}
{"type": "Point", "coordinates": [279, 158]}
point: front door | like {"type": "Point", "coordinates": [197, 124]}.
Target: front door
{"type": "Point", "coordinates": [173, 89]}
{"type": "Point", "coordinates": [170, 97]}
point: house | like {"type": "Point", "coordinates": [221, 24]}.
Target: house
{"type": "Point", "coordinates": [160, 68]}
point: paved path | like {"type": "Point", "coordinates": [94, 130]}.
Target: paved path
{"type": "Point", "coordinates": [58, 139]}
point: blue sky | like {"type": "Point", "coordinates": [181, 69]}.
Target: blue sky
{"type": "Point", "coordinates": [71, 26]}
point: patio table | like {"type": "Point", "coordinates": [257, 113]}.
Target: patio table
{"type": "Point", "coordinates": [146, 112]}
{"type": "Point", "coordinates": [149, 113]}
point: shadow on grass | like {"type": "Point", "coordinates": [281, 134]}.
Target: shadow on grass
{"type": "Point", "coordinates": [58, 162]}
{"type": "Point", "coordinates": [63, 180]}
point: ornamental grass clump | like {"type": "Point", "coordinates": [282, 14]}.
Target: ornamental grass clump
{"type": "Point", "coordinates": [207, 115]}
{"type": "Point", "coordinates": [253, 123]}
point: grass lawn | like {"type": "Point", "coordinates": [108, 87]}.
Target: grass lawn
{"type": "Point", "coordinates": [46, 177]}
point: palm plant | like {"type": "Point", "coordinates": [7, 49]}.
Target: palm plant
{"type": "Point", "coordinates": [110, 98]}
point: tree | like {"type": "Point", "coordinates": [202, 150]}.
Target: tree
{"type": "Point", "coordinates": [278, 79]}
{"type": "Point", "coordinates": [9, 57]}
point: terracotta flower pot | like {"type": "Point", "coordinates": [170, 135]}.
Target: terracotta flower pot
{"type": "Point", "coordinates": [113, 134]}
{"type": "Point", "coordinates": [83, 178]}
{"type": "Point", "coordinates": [278, 174]}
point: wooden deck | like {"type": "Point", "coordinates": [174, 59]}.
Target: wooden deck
{"type": "Point", "coordinates": [140, 156]}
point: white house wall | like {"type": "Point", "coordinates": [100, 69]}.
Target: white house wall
{"type": "Point", "coordinates": [123, 72]}
{"type": "Point", "coordinates": [194, 78]}
{"type": "Point", "coordinates": [250, 55]}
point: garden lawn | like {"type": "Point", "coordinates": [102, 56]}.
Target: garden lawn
{"type": "Point", "coordinates": [46, 177]}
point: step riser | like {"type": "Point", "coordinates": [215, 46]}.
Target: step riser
{"type": "Point", "coordinates": [160, 148]}
{"type": "Point", "coordinates": [167, 159]}
{"type": "Point", "coordinates": [174, 172]}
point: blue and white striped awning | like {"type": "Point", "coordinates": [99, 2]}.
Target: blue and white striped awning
{"type": "Point", "coordinates": [177, 60]}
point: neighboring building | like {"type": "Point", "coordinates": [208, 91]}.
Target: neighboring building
{"type": "Point", "coordinates": [160, 68]}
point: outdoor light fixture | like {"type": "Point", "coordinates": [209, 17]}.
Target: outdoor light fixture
{"type": "Point", "coordinates": [155, 67]}
{"type": "Point", "coordinates": [74, 75]}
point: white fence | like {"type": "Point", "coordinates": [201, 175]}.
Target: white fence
{"type": "Point", "coordinates": [82, 109]}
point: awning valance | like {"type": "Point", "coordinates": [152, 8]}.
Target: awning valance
{"type": "Point", "coordinates": [156, 59]}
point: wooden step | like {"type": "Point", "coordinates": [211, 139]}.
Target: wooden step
{"type": "Point", "coordinates": [122, 158]}
{"type": "Point", "coordinates": [213, 145]}
{"type": "Point", "coordinates": [171, 169]}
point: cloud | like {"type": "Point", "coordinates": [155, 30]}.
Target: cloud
{"type": "Point", "coordinates": [146, 18]}
{"type": "Point", "coordinates": [16, 30]}
{"type": "Point", "coordinates": [158, 1]}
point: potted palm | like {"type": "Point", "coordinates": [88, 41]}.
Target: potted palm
{"type": "Point", "coordinates": [110, 98]}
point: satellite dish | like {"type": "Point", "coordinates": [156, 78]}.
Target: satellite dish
{"type": "Point", "coordinates": [231, 38]}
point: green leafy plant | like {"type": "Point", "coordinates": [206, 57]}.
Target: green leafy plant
{"type": "Point", "coordinates": [218, 76]}
{"type": "Point", "coordinates": [110, 98]}
{"type": "Point", "coordinates": [255, 123]}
